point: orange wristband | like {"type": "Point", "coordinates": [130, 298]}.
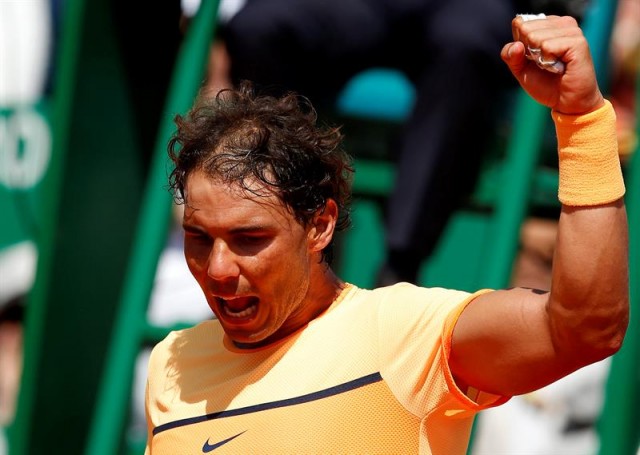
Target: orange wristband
{"type": "Point", "coordinates": [589, 165]}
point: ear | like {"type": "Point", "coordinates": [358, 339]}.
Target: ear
{"type": "Point", "coordinates": [323, 226]}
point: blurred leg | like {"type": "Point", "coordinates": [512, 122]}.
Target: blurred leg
{"type": "Point", "coordinates": [445, 139]}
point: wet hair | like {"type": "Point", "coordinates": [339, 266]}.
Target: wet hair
{"type": "Point", "coordinates": [240, 137]}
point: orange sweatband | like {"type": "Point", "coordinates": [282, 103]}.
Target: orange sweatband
{"type": "Point", "coordinates": [590, 172]}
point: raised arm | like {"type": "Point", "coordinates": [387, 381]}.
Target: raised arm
{"type": "Point", "coordinates": [513, 341]}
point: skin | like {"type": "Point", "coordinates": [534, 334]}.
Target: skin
{"type": "Point", "coordinates": [513, 342]}
{"type": "Point", "coordinates": [259, 268]}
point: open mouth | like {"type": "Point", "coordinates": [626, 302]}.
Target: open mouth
{"type": "Point", "coordinates": [238, 307]}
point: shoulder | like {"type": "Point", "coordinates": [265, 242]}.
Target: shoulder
{"type": "Point", "coordinates": [407, 294]}
{"type": "Point", "coordinates": [404, 305]}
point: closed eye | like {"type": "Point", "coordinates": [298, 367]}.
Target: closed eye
{"type": "Point", "coordinates": [252, 243]}
{"type": "Point", "coordinates": [196, 236]}
{"type": "Point", "coordinates": [253, 239]}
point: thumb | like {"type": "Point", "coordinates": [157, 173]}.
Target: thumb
{"type": "Point", "coordinates": [513, 55]}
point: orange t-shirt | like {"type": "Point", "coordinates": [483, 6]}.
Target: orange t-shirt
{"type": "Point", "coordinates": [369, 375]}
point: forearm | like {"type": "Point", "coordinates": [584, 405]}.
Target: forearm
{"type": "Point", "coordinates": [588, 304]}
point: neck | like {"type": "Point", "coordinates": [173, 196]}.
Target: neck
{"type": "Point", "coordinates": [324, 290]}
{"type": "Point", "coordinates": [328, 290]}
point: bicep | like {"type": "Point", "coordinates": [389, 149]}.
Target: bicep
{"type": "Point", "coordinates": [502, 343]}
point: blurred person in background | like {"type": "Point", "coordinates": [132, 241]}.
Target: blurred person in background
{"type": "Point", "coordinates": [625, 63]}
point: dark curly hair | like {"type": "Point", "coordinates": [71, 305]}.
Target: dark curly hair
{"type": "Point", "coordinates": [239, 135]}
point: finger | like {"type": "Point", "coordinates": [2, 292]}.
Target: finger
{"type": "Point", "coordinates": [545, 60]}
{"type": "Point", "coordinates": [518, 22]}
{"type": "Point", "coordinates": [515, 27]}
{"type": "Point", "coordinates": [547, 40]}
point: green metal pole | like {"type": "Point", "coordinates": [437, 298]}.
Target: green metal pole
{"type": "Point", "coordinates": [619, 424]}
{"type": "Point", "coordinates": [150, 239]}
{"type": "Point", "coordinates": [512, 203]}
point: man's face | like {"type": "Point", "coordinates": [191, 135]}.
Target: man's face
{"type": "Point", "coordinates": [251, 258]}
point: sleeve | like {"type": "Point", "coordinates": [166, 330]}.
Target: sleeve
{"type": "Point", "coordinates": [472, 398]}
{"type": "Point", "coordinates": [415, 328]}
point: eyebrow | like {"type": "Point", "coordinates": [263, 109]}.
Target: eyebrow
{"type": "Point", "coordinates": [192, 228]}
{"type": "Point", "coordinates": [236, 230]}
{"type": "Point", "coordinates": [249, 229]}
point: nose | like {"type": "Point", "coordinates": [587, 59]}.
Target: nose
{"type": "Point", "coordinates": [223, 262]}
